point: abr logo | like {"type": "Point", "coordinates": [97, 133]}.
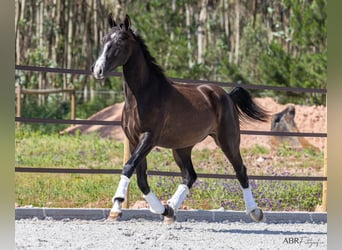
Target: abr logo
{"type": "Point", "coordinates": [292, 240]}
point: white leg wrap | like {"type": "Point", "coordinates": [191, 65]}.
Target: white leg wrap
{"type": "Point", "coordinates": [155, 205]}
{"type": "Point", "coordinates": [178, 198]}
{"type": "Point", "coordinates": [122, 188]}
{"type": "Point", "coordinates": [249, 200]}
{"type": "Point", "coordinates": [116, 207]}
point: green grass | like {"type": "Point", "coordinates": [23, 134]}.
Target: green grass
{"type": "Point", "coordinates": [91, 151]}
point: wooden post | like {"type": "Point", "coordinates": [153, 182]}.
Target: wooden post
{"type": "Point", "coordinates": [73, 104]}
{"type": "Point", "coordinates": [19, 104]}
{"type": "Point", "coordinates": [126, 156]}
{"type": "Point", "coordinates": [325, 183]}
{"type": "Point", "coordinates": [325, 169]}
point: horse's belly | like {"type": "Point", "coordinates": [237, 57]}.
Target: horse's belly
{"type": "Point", "coordinates": [182, 134]}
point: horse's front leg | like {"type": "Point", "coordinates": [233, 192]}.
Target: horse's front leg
{"type": "Point", "coordinates": [144, 147]}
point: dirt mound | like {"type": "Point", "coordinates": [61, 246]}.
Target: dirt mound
{"type": "Point", "coordinates": [111, 113]}
{"type": "Point", "coordinates": [309, 119]}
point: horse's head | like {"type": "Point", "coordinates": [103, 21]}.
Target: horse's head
{"type": "Point", "coordinates": [116, 50]}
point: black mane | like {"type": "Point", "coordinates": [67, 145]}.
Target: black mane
{"type": "Point", "coordinates": [151, 61]}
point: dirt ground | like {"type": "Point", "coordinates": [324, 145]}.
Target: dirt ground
{"type": "Point", "coordinates": [309, 119]}
{"type": "Point", "coordinates": [149, 234]}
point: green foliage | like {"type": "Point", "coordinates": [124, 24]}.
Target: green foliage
{"type": "Point", "coordinates": [253, 44]}
{"type": "Point", "coordinates": [39, 56]}
{"type": "Point", "coordinates": [306, 71]}
{"type": "Point", "coordinates": [276, 66]}
{"type": "Point", "coordinates": [302, 62]}
{"type": "Point", "coordinates": [53, 108]}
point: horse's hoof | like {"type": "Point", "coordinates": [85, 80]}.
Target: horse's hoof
{"type": "Point", "coordinates": [169, 215]}
{"type": "Point", "coordinates": [114, 215]}
{"type": "Point", "coordinates": [168, 220]}
{"type": "Point", "coordinates": [257, 215]}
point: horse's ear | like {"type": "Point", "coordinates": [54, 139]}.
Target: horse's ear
{"type": "Point", "coordinates": [111, 21]}
{"type": "Point", "coordinates": [127, 22]}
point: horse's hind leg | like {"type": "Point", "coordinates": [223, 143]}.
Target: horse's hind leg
{"type": "Point", "coordinates": [228, 138]}
{"type": "Point", "coordinates": [183, 160]}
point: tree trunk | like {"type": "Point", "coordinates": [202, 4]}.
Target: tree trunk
{"type": "Point", "coordinates": [40, 32]}
{"type": "Point", "coordinates": [188, 32]}
{"type": "Point", "coordinates": [19, 16]}
{"type": "Point", "coordinates": [95, 25]}
{"type": "Point", "coordinates": [201, 31]}
{"type": "Point", "coordinates": [237, 31]}
{"type": "Point", "coordinates": [227, 29]}
{"type": "Point", "coordinates": [172, 35]}
{"type": "Point", "coordinates": [255, 10]}
{"type": "Point", "coordinates": [68, 46]}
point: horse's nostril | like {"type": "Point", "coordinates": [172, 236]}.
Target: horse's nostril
{"type": "Point", "coordinates": [100, 72]}
{"type": "Point", "coordinates": [92, 68]}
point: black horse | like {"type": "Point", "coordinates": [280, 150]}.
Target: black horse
{"type": "Point", "coordinates": [159, 112]}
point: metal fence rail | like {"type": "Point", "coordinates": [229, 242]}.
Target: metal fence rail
{"type": "Point", "coordinates": [164, 173]}
{"type": "Point", "coordinates": [118, 123]}
{"type": "Point", "coordinates": [181, 80]}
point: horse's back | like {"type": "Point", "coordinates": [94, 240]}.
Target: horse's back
{"type": "Point", "coordinates": [191, 114]}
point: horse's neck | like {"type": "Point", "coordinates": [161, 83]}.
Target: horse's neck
{"type": "Point", "coordinates": [140, 79]}
{"type": "Point", "coordinates": [129, 97]}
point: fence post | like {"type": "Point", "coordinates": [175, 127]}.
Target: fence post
{"type": "Point", "coordinates": [325, 169]}
{"type": "Point", "coordinates": [325, 183]}
{"type": "Point", "coordinates": [126, 156]}
{"type": "Point", "coordinates": [19, 104]}
{"type": "Point", "coordinates": [73, 105]}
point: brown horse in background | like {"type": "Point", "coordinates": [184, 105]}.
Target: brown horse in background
{"type": "Point", "coordinates": [159, 112]}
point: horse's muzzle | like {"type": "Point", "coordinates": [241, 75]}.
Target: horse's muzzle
{"type": "Point", "coordinates": [97, 71]}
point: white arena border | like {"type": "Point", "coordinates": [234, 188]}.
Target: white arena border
{"type": "Point", "coordinates": [182, 215]}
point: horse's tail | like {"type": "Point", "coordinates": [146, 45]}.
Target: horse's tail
{"type": "Point", "coordinates": [246, 107]}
